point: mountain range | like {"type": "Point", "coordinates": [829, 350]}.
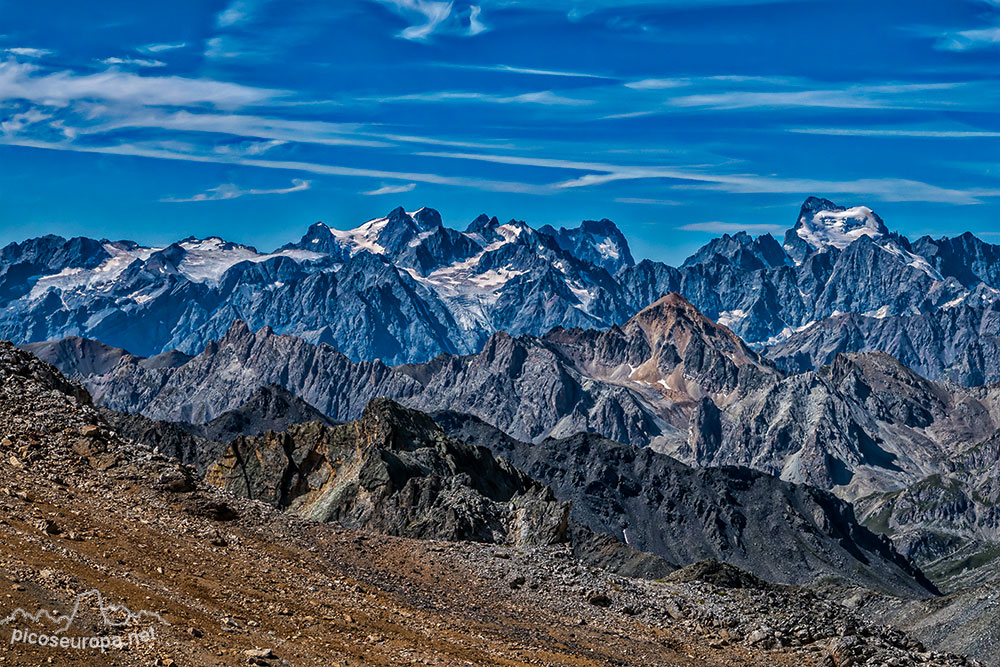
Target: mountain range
{"type": "Point", "coordinates": [405, 288]}
{"type": "Point", "coordinates": [816, 411]}
{"type": "Point", "coordinates": [865, 427]}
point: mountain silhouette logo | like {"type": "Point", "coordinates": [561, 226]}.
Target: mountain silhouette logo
{"type": "Point", "coordinates": [113, 615]}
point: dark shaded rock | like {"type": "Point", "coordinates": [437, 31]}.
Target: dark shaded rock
{"type": "Point", "coordinates": [394, 471]}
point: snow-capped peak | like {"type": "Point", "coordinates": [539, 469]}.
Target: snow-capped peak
{"type": "Point", "coordinates": [205, 260]}
{"type": "Point", "coordinates": [361, 238]}
{"type": "Point", "coordinates": [822, 224]}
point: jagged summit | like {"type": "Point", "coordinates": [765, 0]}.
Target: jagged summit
{"type": "Point", "coordinates": [597, 241]}
{"type": "Point", "coordinates": [823, 224]}
{"type": "Point", "coordinates": [444, 290]}
{"type": "Point", "coordinates": [394, 471]}
{"type": "Point", "coordinates": [672, 316]}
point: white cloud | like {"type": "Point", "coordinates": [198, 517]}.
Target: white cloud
{"type": "Point", "coordinates": [222, 47]}
{"type": "Point", "coordinates": [160, 48]}
{"type": "Point", "coordinates": [542, 97]}
{"type": "Point", "coordinates": [729, 92]}
{"type": "Point", "coordinates": [726, 79]}
{"type": "Point", "coordinates": [392, 189]}
{"type": "Point", "coordinates": [898, 96]}
{"type": "Point", "coordinates": [276, 129]}
{"type": "Point", "coordinates": [966, 40]}
{"type": "Point", "coordinates": [19, 121]}
{"type": "Point", "coordinates": [716, 227]}
{"type": "Point", "coordinates": [886, 189]}
{"type": "Point", "coordinates": [476, 26]}
{"type": "Point", "coordinates": [432, 14]}
{"type": "Point", "coordinates": [231, 191]}
{"type": "Point", "coordinates": [657, 84]}
{"type": "Point", "coordinates": [899, 132]}
{"type": "Point", "coordinates": [138, 62]}
{"type": "Point", "coordinates": [524, 70]}
{"type": "Point", "coordinates": [26, 81]}
{"type": "Point", "coordinates": [629, 114]}
{"type": "Point", "coordinates": [27, 52]}
{"type": "Point", "coordinates": [247, 148]}
{"type": "Point", "coordinates": [236, 12]}
{"type": "Point", "coordinates": [179, 153]}
{"type": "Point", "coordinates": [304, 131]}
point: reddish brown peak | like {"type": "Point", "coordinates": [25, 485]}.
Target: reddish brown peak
{"type": "Point", "coordinates": [667, 310]}
{"type": "Point", "coordinates": [671, 300]}
{"type": "Point", "coordinates": [673, 319]}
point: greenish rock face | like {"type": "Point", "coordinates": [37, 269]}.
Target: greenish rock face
{"type": "Point", "coordinates": [393, 471]}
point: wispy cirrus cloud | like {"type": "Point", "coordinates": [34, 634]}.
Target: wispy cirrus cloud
{"type": "Point", "coordinates": [29, 82]}
{"type": "Point", "coordinates": [28, 52]}
{"type": "Point", "coordinates": [742, 93]}
{"type": "Point", "coordinates": [542, 97]}
{"type": "Point", "coordinates": [967, 40]}
{"type": "Point", "coordinates": [881, 96]}
{"type": "Point", "coordinates": [236, 12]}
{"type": "Point", "coordinates": [232, 191]}
{"type": "Point", "coordinates": [645, 201]}
{"type": "Point", "coordinates": [188, 154]}
{"type": "Point", "coordinates": [391, 189]}
{"type": "Point", "coordinates": [428, 14]}
{"type": "Point", "coordinates": [18, 122]}
{"type": "Point", "coordinates": [323, 133]}
{"type": "Point", "coordinates": [137, 62]}
{"type": "Point", "coordinates": [657, 84]}
{"type": "Point", "coordinates": [526, 70]}
{"type": "Point", "coordinates": [886, 189]}
{"type": "Point", "coordinates": [723, 79]}
{"type": "Point", "coordinates": [162, 47]}
{"type": "Point", "coordinates": [248, 148]}
{"type": "Point", "coordinates": [896, 132]}
{"type": "Point", "coordinates": [476, 26]}
{"type": "Point", "coordinates": [718, 227]}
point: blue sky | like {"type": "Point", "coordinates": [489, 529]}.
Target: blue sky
{"type": "Point", "coordinates": [678, 119]}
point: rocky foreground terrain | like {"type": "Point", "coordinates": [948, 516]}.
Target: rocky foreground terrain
{"type": "Point", "coordinates": [236, 581]}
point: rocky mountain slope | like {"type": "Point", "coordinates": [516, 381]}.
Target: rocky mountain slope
{"type": "Point", "coordinates": [393, 471]}
{"type": "Point", "coordinates": [958, 343]}
{"type": "Point", "coordinates": [865, 427]}
{"type": "Point", "coordinates": [633, 383]}
{"type": "Point", "coordinates": [234, 580]}
{"type": "Point", "coordinates": [779, 531]}
{"type": "Point", "coordinates": [665, 332]}
{"type": "Point", "coordinates": [834, 260]}
{"type": "Point", "coordinates": [949, 522]}
{"type": "Point", "coordinates": [270, 408]}
{"type": "Point", "coordinates": [669, 378]}
{"type": "Point", "coordinates": [404, 288]}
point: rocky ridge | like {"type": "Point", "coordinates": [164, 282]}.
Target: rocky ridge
{"type": "Point", "coordinates": [669, 378]}
{"type": "Point", "coordinates": [779, 531]}
{"type": "Point", "coordinates": [404, 288]}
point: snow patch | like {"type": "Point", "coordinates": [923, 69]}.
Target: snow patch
{"type": "Point", "coordinates": [361, 238]}
{"type": "Point", "coordinates": [99, 277]}
{"type": "Point", "coordinates": [728, 318]}
{"type": "Point", "coordinates": [914, 261]}
{"type": "Point", "coordinates": [839, 229]}
{"type": "Point", "coordinates": [205, 260]}
{"type": "Point", "coordinates": [609, 249]}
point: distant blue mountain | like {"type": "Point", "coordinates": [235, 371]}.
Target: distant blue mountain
{"type": "Point", "coordinates": [404, 288]}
